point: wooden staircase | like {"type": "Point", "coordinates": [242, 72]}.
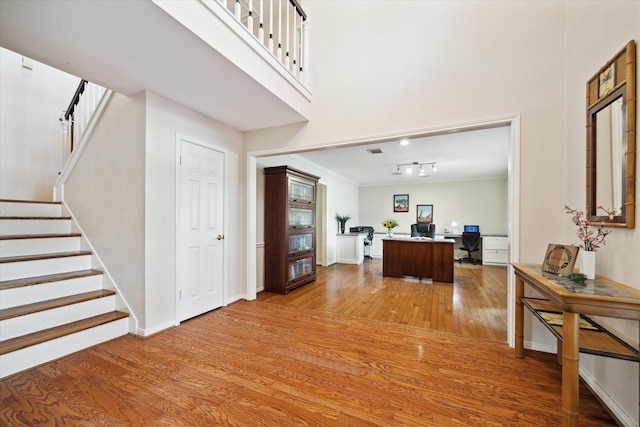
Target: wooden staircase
{"type": "Point", "coordinates": [52, 302]}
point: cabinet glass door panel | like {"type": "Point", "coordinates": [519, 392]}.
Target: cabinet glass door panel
{"type": "Point", "coordinates": [300, 268]}
{"type": "Point", "coordinates": [302, 218]}
{"type": "Point", "coordinates": [300, 242]}
{"type": "Point", "coordinates": [301, 192]}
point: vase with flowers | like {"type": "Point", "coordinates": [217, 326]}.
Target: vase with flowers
{"type": "Point", "coordinates": [591, 240]}
{"type": "Point", "coordinates": [389, 224]}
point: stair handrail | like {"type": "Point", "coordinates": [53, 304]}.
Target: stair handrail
{"type": "Point", "coordinates": [75, 100]}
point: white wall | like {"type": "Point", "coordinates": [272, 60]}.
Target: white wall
{"type": "Point", "coordinates": [31, 103]}
{"type": "Point", "coordinates": [407, 66]}
{"type": "Point", "coordinates": [165, 120]}
{"type": "Point", "coordinates": [123, 195]}
{"type": "Point", "coordinates": [483, 203]}
{"type": "Point", "coordinates": [596, 31]}
{"type": "Point", "coordinates": [105, 192]}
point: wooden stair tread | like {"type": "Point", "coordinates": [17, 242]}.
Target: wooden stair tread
{"type": "Point", "coordinates": [46, 202]}
{"type": "Point", "coordinates": [43, 256]}
{"type": "Point", "coordinates": [596, 340]}
{"type": "Point", "coordinates": [38, 280]}
{"type": "Point", "coordinates": [9, 313]}
{"type": "Point", "coordinates": [36, 217]}
{"type": "Point", "coordinates": [38, 236]}
{"type": "Point", "coordinates": [39, 337]}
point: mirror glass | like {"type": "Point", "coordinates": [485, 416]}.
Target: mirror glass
{"type": "Point", "coordinates": [610, 152]}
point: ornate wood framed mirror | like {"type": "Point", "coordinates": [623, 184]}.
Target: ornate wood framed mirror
{"type": "Point", "coordinates": [611, 141]}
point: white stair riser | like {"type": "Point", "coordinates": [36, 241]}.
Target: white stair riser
{"type": "Point", "coordinates": [29, 323]}
{"type": "Point", "coordinates": [29, 294]}
{"type": "Point", "coordinates": [29, 357]}
{"type": "Point", "coordinates": [22, 269]}
{"type": "Point", "coordinates": [30, 209]}
{"type": "Point", "coordinates": [18, 247]}
{"type": "Point", "coordinates": [10, 227]}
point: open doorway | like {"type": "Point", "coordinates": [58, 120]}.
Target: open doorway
{"type": "Point", "coordinates": [511, 123]}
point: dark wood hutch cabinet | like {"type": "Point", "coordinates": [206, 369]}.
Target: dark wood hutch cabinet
{"type": "Point", "coordinates": [289, 229]}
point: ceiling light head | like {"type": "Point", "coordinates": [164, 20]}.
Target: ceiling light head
{"type": "Point", "coordinates": [408, 170]}
{"type": "Point", "coordinates": [421, 170]}
{"type": "Point", "coordinates": [433, 167]}
{"type": "Point", "coordinates": [404, 142]}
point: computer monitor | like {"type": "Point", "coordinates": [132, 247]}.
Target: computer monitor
{"type": "Point", "coordinates": [471, 229]}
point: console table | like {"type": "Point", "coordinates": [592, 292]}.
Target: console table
{"type": "Point", "coordinates": [599, 297]}
{"type": "Point", "coordinates": [418, 258]}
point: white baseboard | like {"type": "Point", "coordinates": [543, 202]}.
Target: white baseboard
{"type": "Point", "coordinates": [606, 400]}
{"type": "Point", "coordinates": [545, 348]}
{"type": "Point", "coordinates": [593, 384]}
{"type": "Point", "coordinates": [159, 328]}
{"type": "Point", "coordinates": [235, 298]}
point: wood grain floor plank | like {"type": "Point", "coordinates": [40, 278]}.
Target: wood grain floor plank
{"type": "Point", "coordinates": [352, 350]}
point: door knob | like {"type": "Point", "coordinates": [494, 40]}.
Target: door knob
{"type": "Point", "coordinates": [220, 237]}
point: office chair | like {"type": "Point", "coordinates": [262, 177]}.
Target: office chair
{"type": "Point", "coordinates": [423, 229]}
{"type": "Point", "coordinates": [470, 243]}
{"type": "Point", "coordinates": [368, 241]}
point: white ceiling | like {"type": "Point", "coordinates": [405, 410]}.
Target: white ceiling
{"type": "Point", "coordinates": [459, 156]}
{"type": "Point", "coordinates": [132, 46]}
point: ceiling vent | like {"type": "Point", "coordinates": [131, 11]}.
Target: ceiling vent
{"type": "Point", "coordinates": [374, 150]}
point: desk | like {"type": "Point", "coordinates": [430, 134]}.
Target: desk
{"type": "Point", "coordinates": [600, 297]}
{"type": "Point", "coordinates": [418, 258]}
{"type": "Point", "coordinates": [494, 248]}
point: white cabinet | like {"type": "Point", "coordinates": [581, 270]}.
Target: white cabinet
{"type": "Point", "coordinates": [350, 248]}
{"type": "Point", "coordinates": [376, 246]}
{"type": "Point", "coordinates": [495, 250]}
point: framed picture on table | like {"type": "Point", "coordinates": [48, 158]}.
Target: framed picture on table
{"type": "Point", "coordinates": [424, 213]}
{"type": "Point", "coordinates": [401, 203]}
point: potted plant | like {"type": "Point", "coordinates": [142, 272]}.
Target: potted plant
{"type": "Point", "coordinates": [342, 219]}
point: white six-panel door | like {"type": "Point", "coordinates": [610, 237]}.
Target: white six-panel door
{"type": "Point", "coordinates": [200, 230]}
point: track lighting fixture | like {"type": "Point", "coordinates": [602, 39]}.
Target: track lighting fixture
{"type": "Point", "coordinates": [408, 168]}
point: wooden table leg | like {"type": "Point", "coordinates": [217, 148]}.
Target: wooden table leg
{"type": "Point", "coordinates": [570, 369]}
{"type": "Point", "coordinates": [559, 351]}
{"type": "Point", "coordinates": [519, 344]}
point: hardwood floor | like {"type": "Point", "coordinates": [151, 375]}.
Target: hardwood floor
{"type": "Point", "coordinates": [474, 306]}
{"type": "Point", "coordinates": [284, 362]}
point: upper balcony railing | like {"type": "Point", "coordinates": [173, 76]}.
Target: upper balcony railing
{"type": "Point", "coordinates": [279, 25]}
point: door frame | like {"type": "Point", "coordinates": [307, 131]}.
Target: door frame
{"type": "Point", "coordinates": [321, 222]}
{"type": "Point", "coordinates": [178, 210]}
{"type": "Point", "coordinates": [513, 196]}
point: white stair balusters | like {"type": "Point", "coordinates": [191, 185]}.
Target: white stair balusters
{"type": "Point", "coordinates": [270, 43]}
{"type": "Point", "coordinates": [279, 53]}
{"type": "Point", "coordinates": [75, 120]}
{"type": "Point", "coordinates": [261, 23]}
